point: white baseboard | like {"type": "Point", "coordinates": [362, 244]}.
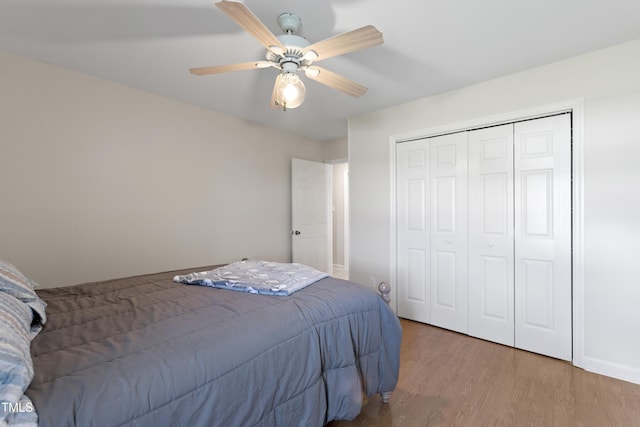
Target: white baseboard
{"type": "Point", "coordinates": [610, 369]}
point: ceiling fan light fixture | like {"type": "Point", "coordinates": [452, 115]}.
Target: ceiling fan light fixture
{"type": "Point", "coordinates": [310, 55]}
{"type": "Point", "coordinates": [312, 72]}
{"type": "Point", "coordinates": [290, 91]}
{"type": "Point", "coordinates": [277, 50]}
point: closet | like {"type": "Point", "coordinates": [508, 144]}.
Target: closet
{"type": "Point", "coordinates": [483, 229]}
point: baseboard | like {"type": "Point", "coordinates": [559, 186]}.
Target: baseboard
{"type": "Point", "coordinates": [338, 267]}
{"type": "Point", "coordinates": [610, 369]}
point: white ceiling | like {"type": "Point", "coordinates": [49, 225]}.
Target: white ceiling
{"type": "Point", "coordinates": [430, 47]}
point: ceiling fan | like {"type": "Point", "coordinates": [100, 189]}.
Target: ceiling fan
{"type": "Point", "coordinates": [291, 53]}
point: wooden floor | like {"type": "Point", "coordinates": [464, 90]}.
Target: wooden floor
{"type": "Point", "coordinates": [449, 379]}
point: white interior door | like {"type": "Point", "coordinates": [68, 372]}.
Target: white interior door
{"type": "Point", "coordinates": [491, 244]}
{"type": "Point", "coordinates": [413, 230]}
{"type": "Point", "coordinates": [543, 236]}
{"type": "Point", "coordinates": [449, 262]}
{"type": "Point", "coordinates": [311, 222]}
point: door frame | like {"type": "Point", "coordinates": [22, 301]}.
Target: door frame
{"type": "Point", "coordinates": [576, 107]}
{"type": "Point", "coordinates": [345, 205]}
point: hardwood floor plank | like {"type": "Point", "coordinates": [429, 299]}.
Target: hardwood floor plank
{"type": "Point", "coordinates": [450, 379]}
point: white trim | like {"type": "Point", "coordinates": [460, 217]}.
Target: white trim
{"type": "Point", "coordinates": [577, 219]}
{"type": "Point", "coordinates": [346, 232]}
{"type": "Point", "coordinates": [393, 248]}
{"type": "Point", "coordinates": [499, 119]}
{"type": "Point", "coordinates": [337, 161]}
{"type": "Point", "coordinates": [611, 369]}
{"type": "Point", "coordinates": [576, 106]}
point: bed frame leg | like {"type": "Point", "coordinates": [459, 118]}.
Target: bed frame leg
{"type": "Point", "coordinates": [385, 291]}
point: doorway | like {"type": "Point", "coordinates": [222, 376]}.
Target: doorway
{"type": "Point", "coordinates": [320, 215]}
{"type": "Point", "coordinates": [340, 215]}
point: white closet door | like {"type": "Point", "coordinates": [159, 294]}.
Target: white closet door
{"type": "Point", "coordinates": [491, 276]}
{"type": "Point", "coordinates": [412, 192]}
{"type": "Point", "coordinates": [449, 262]}
{"type": "Point", "coordinates": [543, 236]}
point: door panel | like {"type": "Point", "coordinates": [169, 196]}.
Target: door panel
{"type": "Point", "coordinates": [444, 269]}
{"type": "Point", "coordinates": [543, 236]}
{"type": "Point", "coordinates": [497, 294]}
{"type": "Point", "coordinates": [537, 194]}
{"type": "Point", "coordinates": [537, 294]}
{"type": "Point", "coordinates": [416, 204]}
{"type": "Point", "coordinates": [416, 279]}
{"type": "Point", "coordinates": [449, 294]}
{"type": "Point", "coordinates": [491, 245]}
{"type": "Point", "coordinates": [494, 192]}
{"type": "Point", "coordinates": [445, 204]}
{"type": "Point", "coordinates": [413, 188]}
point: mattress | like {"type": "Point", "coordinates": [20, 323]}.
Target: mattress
{"type": "Point", "coordinates": [145, 351]}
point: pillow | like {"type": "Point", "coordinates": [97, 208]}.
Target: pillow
{"type": "Point", "coordinates": [16, 284]}
{"type": "Point", "coordinates": [16, 366]}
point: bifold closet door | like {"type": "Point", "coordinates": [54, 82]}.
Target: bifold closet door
{"type": "Point", "coordinates": [413, 230]}
{"type": "Point", "coordinates": [449, 262]}
{"type": "Point", "coordinates": [491, 242]}
{"type": "Point", "coordinates": [484, 233]}
{"type": "Point", "coordinates": [431, 189]}
{"type": "Point", "coordinates": [542, 176]}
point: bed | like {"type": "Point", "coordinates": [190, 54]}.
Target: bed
{"type": "Point", "coordinates": [147, 351]}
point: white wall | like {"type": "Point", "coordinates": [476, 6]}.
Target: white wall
{"type": "Point", "coordinates": [608, 82]}
{"type": "Point", "coordinates": [336, 149]}
{"type": "Point", "coordinates": [98, 180]}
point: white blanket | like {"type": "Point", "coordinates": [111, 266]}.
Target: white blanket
{"type": "Point", "coordinates": [256, 277]}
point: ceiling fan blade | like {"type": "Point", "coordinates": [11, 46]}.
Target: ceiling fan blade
{"type": "Point", "coordinates": [249, 22]}
{"type": "Point", "coordinates": [336, 81]}
{"type": "Point", "coordinates": [217, 69]}
{"type": "Point", "coordinates": [350, 41]}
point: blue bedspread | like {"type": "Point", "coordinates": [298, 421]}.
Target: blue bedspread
{"type": "Point", "coordinates": [146, 351]}
{"type": "Point", "coordinates": [256, 277]}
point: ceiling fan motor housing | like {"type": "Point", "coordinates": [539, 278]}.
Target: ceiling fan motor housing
{"type": "Point", "coordinates": [292, 58]}
{"type": "Point", "coordinates": [289, 22]}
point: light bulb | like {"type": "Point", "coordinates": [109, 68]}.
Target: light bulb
{"type": "Point", "coordinates": [291, 91]}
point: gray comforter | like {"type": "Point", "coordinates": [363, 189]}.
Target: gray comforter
{"type": "Point", "coordinates": [145, 351]}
